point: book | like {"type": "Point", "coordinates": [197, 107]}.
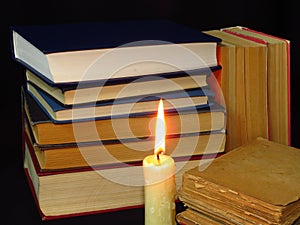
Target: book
{"type": "Point", "coordinates": [89, 191]}
{"type": "Point", "coordinates": [47, 132]}
{"type": "Point", "coordinates": [256, 183]}
{"type": "Point", "coordinates": [70, 93]}
{"type": "Point", "coordinates": [176, 100]}
{"type": "Point", "coordinates": [105, 50]}
{"type": "Point", "coordinates": [278, 81]}
{"type": "Point", "coordinates": [228, 84]}
{"type": "Point", "coordinates": [91, 154]}
{"type": "Point", "coordinates": [246, 102]}
{"type": "Point", "coordinates": [193, 217]}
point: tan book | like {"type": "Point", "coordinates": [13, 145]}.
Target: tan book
{"type": "Point", "coordinates": [193, 217]}
{"type": "Point", "coordinates": [80, 155]}
{"type": "Point", "coordinates": [46, 131]}
{"type": "Point", "coordinates": [278, 82]}
{"type": "Point", "coordinates": [257, 182]}
{"type": "Point", "coordinates": [228, 83]}
{"type": "Point", "coordinates": [247, 105]}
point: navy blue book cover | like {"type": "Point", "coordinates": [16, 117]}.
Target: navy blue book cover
{"type": "Point", "coordinates": [86, 84]}
{"type": "Point", "coordinates": [98, 35]}
{"type": "Point", "coordinates": [40, 114]}
{"type": "Point", "coordinates": [55, 38]}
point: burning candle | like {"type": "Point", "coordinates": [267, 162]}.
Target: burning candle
{"type": "Point", "coordinates": [160, 187]}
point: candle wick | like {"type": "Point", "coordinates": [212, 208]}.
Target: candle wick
{"type": "Point", "coordinates": [160, 151]}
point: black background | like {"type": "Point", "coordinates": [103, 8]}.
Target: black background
{"type": "Point", "coordinates": [273, 17]}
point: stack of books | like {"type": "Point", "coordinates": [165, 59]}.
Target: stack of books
{"type": "Point", "coordinates": [257, 183]}
{"type": "Point", "coordinates": [256, 85]}
{"type": "Point", "coordinates": [89, 104]}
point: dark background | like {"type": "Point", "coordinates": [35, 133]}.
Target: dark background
{"type": "Point", "coordinates": [17, 205]}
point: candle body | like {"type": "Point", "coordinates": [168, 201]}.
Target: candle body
{"type": "Point", "coordinates": [160, 190]}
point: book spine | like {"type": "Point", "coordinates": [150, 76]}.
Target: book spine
{"type": "Point", "coordinates": [288, 49]}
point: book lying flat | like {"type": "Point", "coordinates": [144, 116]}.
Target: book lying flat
{"type": "Point", "coordinates": [174, 101]}
{"type": "Point", "coordinates": [193, 217]}
{"type": "Point", "coordinates": [256, 183]}
{"type": "Point", "coordinates": [81, 155]}
{"type": "Point", "coordinates": [138, 126]}
{"type": "Point", "coordinates": [83, 52]}
{"type": "Point", "coordinates": [81, 192]}
{"type": "Point", "coordinates": [69, 93]}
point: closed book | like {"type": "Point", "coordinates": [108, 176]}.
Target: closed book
{"type": "Point", "coordinates": [193, 217]}
{"type": "Point", "coordinates": [228, 84]}
{"type": "Point", "coordinates": [176, 100]}
{"type": "Point", "coordinates": [70, 93]}
{"type": "Point", "coordinates": [248, 104]}
{"type": "Point", "coordinates": [78, 192]}
{"type": "Point", "coordinates": [278, 80]}
{"type": "Point", "coordinates": [132, 151]}
{"type": "Point", "coordinates": [83, 52]}
{"type": "Point", "coordinates": [46, 132]}
{"type": "Point", "coordinates": [256, 183]}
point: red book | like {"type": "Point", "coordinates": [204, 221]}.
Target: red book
{"type": "Point", "coordinates": [71, 193]}
{"type": "Point", "coordinates": [278, 81]}
{"type": "Point", "coordinates": [83, 191]}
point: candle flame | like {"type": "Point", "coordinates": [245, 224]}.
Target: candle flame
{"type": "Point", "coordinates": [160, 130]}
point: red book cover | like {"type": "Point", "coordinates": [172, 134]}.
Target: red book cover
{"type": "Point", "coordinates": [45, 217]}
{"type": "Point", "coordinates": [29, 150]}
{"type": "Point", "coordinates": [38, 171]}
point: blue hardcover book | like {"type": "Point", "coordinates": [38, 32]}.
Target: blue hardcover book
{"type": "Point", "coordinates": [140, 105]}
{"type": "Point", "coordinates": [205, 119]}
{"type": "Point", "coordinates": [71, 94]}
{"type": "Point", "coordinates": [87, 52]}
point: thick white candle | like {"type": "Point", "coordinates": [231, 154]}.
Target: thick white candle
{"type": "Point", "coordinates": [160, 190]}
{"type": "Point", "coordinates": [160, 187]}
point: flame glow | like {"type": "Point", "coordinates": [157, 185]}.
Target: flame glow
{"type": "Point", "coordinates": [160, 130]}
